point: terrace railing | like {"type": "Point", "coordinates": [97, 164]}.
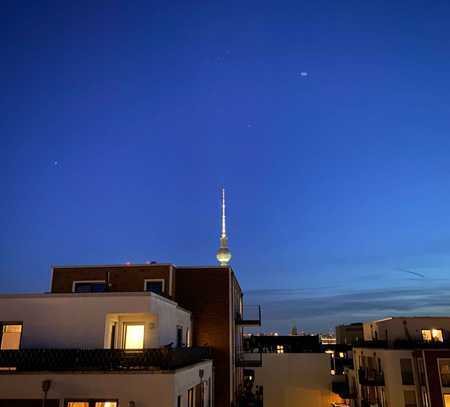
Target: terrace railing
{"type": "Point", "coordinates": [34, 360]}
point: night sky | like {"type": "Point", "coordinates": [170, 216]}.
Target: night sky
{"type": "Point", "coordinates": [327, 122]}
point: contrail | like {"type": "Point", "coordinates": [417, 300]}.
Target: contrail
{"type": "Point", "coordinates": [414, 273]}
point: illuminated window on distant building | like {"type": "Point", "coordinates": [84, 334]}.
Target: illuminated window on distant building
{"type": "Point", "coordinates": [134, 336]}
{"type": "Point", "coordinates": [10, 336]}
{"type": "Point", "coordinates": [444, 369]}
{"type": "Point", "coordinates": [426, 335]}
{"type": "Point", "coordinates": [437, 335]}
{"type": "Point", "coordinates": [91, 403]}
{"type": "Point", "coordinates": [280, 349]}
{"type": "Point", "coordinates": [429, 335]}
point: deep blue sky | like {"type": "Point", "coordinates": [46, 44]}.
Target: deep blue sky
{"type": "Point", "coordinates": [120, 122]}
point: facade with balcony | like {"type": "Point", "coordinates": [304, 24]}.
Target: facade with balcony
{"type": "Point", "coordinates": [103, 349]}
{"type": "Point", "coordinates": [138, 335]}
{"type": "Point", "coordinates": [401, 362]}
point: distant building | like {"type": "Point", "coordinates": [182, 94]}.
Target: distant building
{"type": "Point", "coordinates": [349, 334]}
{"type": "Point", "coordinates": [401, 362]}
{"type": "Point", "coordinates": [290, 371]}
{"type": "Point", "coordinates": [327, 339]}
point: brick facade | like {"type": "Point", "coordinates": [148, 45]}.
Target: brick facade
{"type": "Point", "coordinates": [212, 294]}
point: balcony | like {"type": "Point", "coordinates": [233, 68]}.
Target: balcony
{"type": "Point", "coordinates": [370, 377]}
{"type": "Point", "coordinates": [251, 316]}
{"type": "Point", "coordinates": [38, 360]}
{"type": "Point", "coordinates": [249, 359]}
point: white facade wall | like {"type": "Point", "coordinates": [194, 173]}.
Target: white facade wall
{"type": "Point", "coordinates": [390, 365]}
{"type": "Point", "coordinates": [83, 320]}
{"type": "Point", "coordinates": [145, 389]}
{"type": "Point", "coordinates": [397, 327]}
{"type": "Point", "coordinates": [296, 380]}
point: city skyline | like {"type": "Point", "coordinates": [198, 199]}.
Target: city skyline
{"type": "Point", "coordinates": [326, 124]}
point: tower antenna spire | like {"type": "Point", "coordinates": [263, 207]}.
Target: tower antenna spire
{"type": "Point", "coordinates": [223, 254]}
{"type": "Point", "coordinates": [224, 229]}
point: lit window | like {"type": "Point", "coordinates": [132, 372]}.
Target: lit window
{"type": "Point", "coordinates": [134, 336]}
{"type": "Point", "coordinates": [10, 336]}
{"type": "Point", "coordinates": [426, 335]}
{"type": "Point", "coordinates": [280, 349]}
{"type": "Point", "coordinates": [332, 372]}
{"type": "Point", "coordinates": [154, 286]}
{"type": "Point", "coordinates": [188, 338]}
{"type": "Point", "coordinates": [91, 403]}
{"type": "Point", "coordinates": [447, 400]}
{"type": "Point", "coordinates": [429, 335]}
{"type": "Point", "coordinates": [437, 335]}
{"type": "Point", "coordinates": [341, 354]}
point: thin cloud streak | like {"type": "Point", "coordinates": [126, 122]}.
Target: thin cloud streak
{"type": "Point", "coordinates": [282, 308]}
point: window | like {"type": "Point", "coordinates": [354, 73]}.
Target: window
{"type": "Point", "coordinates": [444, 369]}
{"type": "Point", "coordinates": [407, 372]}
{"type": "Point", "coordinates": [280, 349]}
{"type": "Point", "coordinates": [429, 335]}
{"type": "Point", "coordinates": [134, 336]}
{"type": "Point", "coordinates": [11, 334]}
{"type": "Point", "coordinates": [91, 403]}
{"type": "Point", "coordinates": [188, 338]}
{"type": "Point", "coordinates": [446, 400]}
{"type": "Point", "coordinates": [191, 397]}
{"type": "Point", "coordinates": [410, 398]}
{"type": "Point", "coordinates": [437, 335]}
{"type": "Point", "coordinates": [154, 286]}
{"type": "Point", "coordinates": [89, 286]}
{"type": "Point", "coordinates": [179, 336]}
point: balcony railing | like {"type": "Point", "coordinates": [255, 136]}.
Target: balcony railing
{"type": "Point", "coordinates": [370, 377]}
{"type": "Point", "coordinates": [35, 360]}
{"type": "Point", "coordinates": [251, 316]}
{"type": "Point", "coordinates": [249, 359]}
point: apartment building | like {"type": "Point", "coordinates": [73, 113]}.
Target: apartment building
{"type": "Point", "coordinates": [402, 362]}
{"type": "Point", "coordinates": [101, 350]}
{"type": "Point", "coordinates": [293, 371]}
{"type": "Point", "coordinates": [182, 309]}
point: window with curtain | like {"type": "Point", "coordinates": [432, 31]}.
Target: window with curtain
{"type": "Point", "coordinates": [10, 335]}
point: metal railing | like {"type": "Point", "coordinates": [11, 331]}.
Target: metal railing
{"type": "Point", "coordinates": [34, 360]}
{"type": "Point", "coordinates": [249, 359]}
{"type": "Point", "coordinates": [370, 377]}
{"type": "Point", "coordinates": [251, 315]}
